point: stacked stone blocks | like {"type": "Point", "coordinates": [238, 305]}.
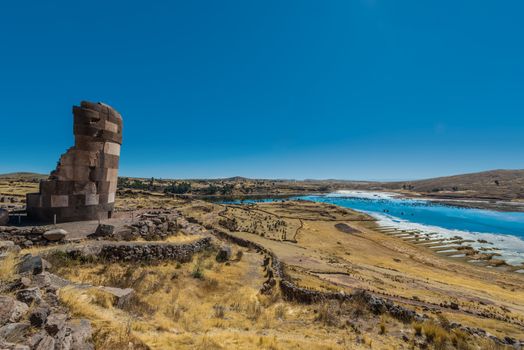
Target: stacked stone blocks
{"type": "Point", "coordinates": [84, 184]}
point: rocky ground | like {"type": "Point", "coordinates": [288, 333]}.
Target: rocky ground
{"type": "Point", "coordinates": [177, 273]}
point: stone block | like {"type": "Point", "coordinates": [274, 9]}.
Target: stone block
{"type": "Point", "coordinates": [92, 199]}
{"type": "Point", "coordinates": [59, 201]}
{"type": "Point", "coordinates": [85, 116]}
{"type": "Point", "coordinates": [112, 148]}
{"type": "Point", "coordinates": [88, 144]}
{"type": "Point", "coordinates": [111, 161]}
{"type": "Point", "coordinates": [81, 173]}
{"type": "Point", "coordinates": [110, 126]}
{"type": "Point", "coordinates": [34, 200]}
{"type": "Point", "coordinates": [112, 186]}
{"type": "Point", "coordinates": [63, 187]}
{"type": "Point", "coordinates": [91, 105]}
{"type": "Point", "coordinates": [112, 174]}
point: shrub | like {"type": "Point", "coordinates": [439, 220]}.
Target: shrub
{"type": "Point", "coordinates": [459, 339]}
{"type": "Point", "coordinates": [220, 311]}
{"type": "Point", "coordinates": [280, 311]}
{"type": "Point", "coordinates": [253, 310]}
{"type": "Point", "coordinates": [197, 273]}
{"type": "Point", "coordinates": [8, 267]}
{"type": "Point", "coordinates": [239, 255]}
{"type": "Point", "coordinates": [417, 327]}
{"type": "Point", "coordinates": [328, 313]}
{"type": "Point", "coordinates": [383, 326]}
{"type": "Point", "coordinates": [435, 334]}
{"type": "Point", "coordinates": [210, 284]}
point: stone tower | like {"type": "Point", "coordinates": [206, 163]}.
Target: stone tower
{"type": "Point", "coordinates": [83, 185]}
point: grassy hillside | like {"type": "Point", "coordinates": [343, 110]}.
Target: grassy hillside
{"type": "Point", "coordinates": [25, 176]}
{"type": "Point", "coordinates": [494, 184]}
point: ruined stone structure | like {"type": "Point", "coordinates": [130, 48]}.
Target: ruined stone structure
{"type": "Point", "coordinates": [83, 186]}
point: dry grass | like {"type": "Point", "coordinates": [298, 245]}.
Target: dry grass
{"type": "Point", "coordinates": [112, 328]}
{"type": "Point", "coordinates": [435, 334]}
{"type": "Point", "coordinates": [8, 267]}
{"type": "Point", "coordinates": [173, 310]}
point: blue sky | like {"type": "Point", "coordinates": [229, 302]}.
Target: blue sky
{"type": "Point", "coordinates": [360, 89]}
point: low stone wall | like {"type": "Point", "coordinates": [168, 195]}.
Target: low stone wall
{"type": "Point", "coordinates": [135, 252]}
{"type": "Point", "coordinates": [150, 252]}
{"type": "Point", "coordinates": [24, 236]}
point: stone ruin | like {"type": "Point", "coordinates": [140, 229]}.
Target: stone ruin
{"type": "Point", "coordinates": [83, 185]}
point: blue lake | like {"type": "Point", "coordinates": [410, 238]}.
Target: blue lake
{"type": "Point", "coordinates": [433, 214]}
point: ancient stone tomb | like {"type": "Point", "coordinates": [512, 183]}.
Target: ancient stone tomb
{"type": "Point", "coordinates": [83, 185]}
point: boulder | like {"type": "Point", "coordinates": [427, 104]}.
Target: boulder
{"type": "Point", "coordinates": [55, 235]}
{"type": "Point", "coordinates": [126, 234]}
{"type": "Point", "coordinates": [103, 230]}
{"type": "Point", "coordinates": [9, 247]}
{"type": "Point", "coordinates": [39, 316]}
{"type": "Point", "coordinates": [29, 296]}
{"type": "Point", "coordinates": [224, 254]}
{"type": "Point", "coordinates": [14, 332]}
{"type": "Point", "coordinates": [55, 323]}
{"type": "Point", "coordinates": [13, 346]}
{"type": "Point", "coordinates": [11, 310]}
{"type": "Point", "coordinates": [4, 217]}
{"type": "Point", "coordinates": [33, 264]}
{"type": "Point", "coordinates": [81, 334]}
{"type": "Point", "coordinates": [41, 280]}
{"type": "Point", "coordinates": [47, 343]}
{"type": "Point", "coordinates": [27, 243]}
{"type": "Point", "coordinates": [121, 296]}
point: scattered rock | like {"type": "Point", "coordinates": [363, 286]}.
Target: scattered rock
{"type": "Point", "coordinates": [13, 332]}
{"type": "Point", "coordinates": [33, 264]}
{"type": "Point", "coordinates": [36, 338]}
{"type": "Point", "coordinates": [121, 296]}
{"type": "Point", "coordinates": [55, 323]}
{"type": "Point", "coordinates": [4, 217]}
{"type": "Point", "coordinates": [224, 254]}
{"type": "Point", "coordinates": [81, 334]}
{"type": "Point", "coordinates": [29, 296]}
{"type": "Point", "coordinates": [103, 230]}
{"type": "Point", "coordinates": [25, 282]}
{"type": "Point", "coordinates": [13, 346]}
{"type": "Point", "coordinates": [55, 235]}
{"type": "Point", "coordinates": [9, 247]}
{"type": "Point", "coordinates": [126, 234]}
{"type": "Point", "coordinates": [11, 310]}
{"type": "Point", "coordinates": [27, 244]}
{"type": "Point", "coordinates": [39, 316]}
{"type": "Point", "coordinates": [41, 280]}
{"type": "Point", "coordinates": [47, 343]}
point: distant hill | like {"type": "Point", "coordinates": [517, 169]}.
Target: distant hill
{"type": "Point", "coordinates": [26, 176]}
{"type": "Point", "coordinates": [493, 184]}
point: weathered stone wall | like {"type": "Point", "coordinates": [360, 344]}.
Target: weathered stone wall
{"type": "Point", "coordinates": [83, 186]}
{"type": "Point", "coordinates": [137, 252]}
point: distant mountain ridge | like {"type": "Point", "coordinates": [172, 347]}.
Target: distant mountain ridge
{"type": "Point", "coordinates": [492, 184]}
{"type": "Point", "coordinates": [23, 176]}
